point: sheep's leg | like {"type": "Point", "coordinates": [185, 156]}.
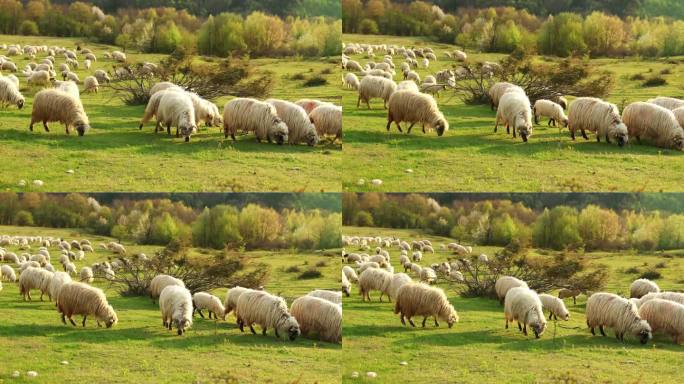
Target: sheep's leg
{"type": "Point", "coordinates": [368, 103]}
{"type": "Point", "coordinates": [401, 317]}
{"type": "Point", "coordinates": [410, 127]}
{"type": "Point", "coordinates": [424, 128]}
{"type": "Point", "coordinates": [507, 127]}
{"type": "Point", "coordinates": [30, 125]}
{"type": "Point", "coordinates": [389, 121]}
{"type": "Point", "coordinates": [200, 313]}
{"type": "Point", "coordinates": [536, 118]}
{"type": "Point", "coordinates": [251, 328]}
{"type": "Point", "coordinates": [41, 295]}
{"type": "Point", "coordinates": [598, 138]}
{"type": "Point", "coordinates": [525, 329]}
{"type": "Point", "coordinates": [177, 135]}
{"type": "Point", "coordinates": [506, 323]}
{"type": "Point", "coordinates": [574, 300]}
{"type": "Point", "coordinates": [424, 318]}
{"type": "Point", "coordinates": [607, 139]}
{"type": "Point", "coordinates": [381, 293]}
{"type": "Point", "coordinates": [263, 332]}
{"type": "Point", "coordinates": [72, 321]}
{"type": "Point", "coordinates": [555, 317]}
{"type": "Point", "coordinates": [276, 332]}
{"type": "Point", "coordinates": [436, 323]}
{"type": "Point", "coordinates": [358, 101]}
{"type": "Point", "coordinates": [519, 326]}
{"type": "Point", "coordinates": [45, 126]}
{"type": "Point", "coordinates": [241, 325]}
{"type": "Point", "coordinates": [550, 315]}
{"type": "Point", "coordinates": [572, 132]}
{"type": "Point", "coordinates": [411, 322]}
{"type": "Point", "coordinates": [603, 333]}
{"type": "Point", "coordinates": [210, 317]}
{"type": "Point", "coordinates": [584, 134]}
{"type": "Point", "coordinates": [28, 293]}
{"type": "Point", "coordinates": [592, 331]}
{"type": "Point", "coordinates": [496, 126]}
{"type": "Point", "coordinates": [399, 127]}
{"type": "Point", "coordinates": [168, 129]}
{"type": "Point", "coordinates": [84, 321]}
{"type": "Point", "coordinates": [63, 319]}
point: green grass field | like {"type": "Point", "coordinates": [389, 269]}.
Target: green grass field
{"type": "Point", "coordinates": [479, 350]}
{"type": "Point", "coordinates": [115, 156]}
{"type": "Point", "coordinates": [471, 157]}
{"type": "Point", "coordinates": [139, 350]}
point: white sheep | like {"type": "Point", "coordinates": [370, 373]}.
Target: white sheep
{"type": "Point", "coordinates": [351, 81]}
{"type": "Point", "coordinates": [252, 115]}
{"type": "Point", "coordinates": [667, 102]}
{"type": "Point", "coordinates": [398, 280]}
{"type": "Point", "coordinates": [653, 123]}
{"type": "Point", "coordinates": [204, 300]}
{"type": "Point", "coordinates": [70, 88]}
{"type": "Point", "coordinates": [176, 308]}
{"type": "Point", "coordinates": [415, 108]}
{"type": "Point", "coordinates": [504, 284]}
{"type": "Point", "coordinates": [90, 84]}
{"type": "Point", "coordinates": [677, 297]}
{"type": "Point", "coordinates": [86, 275]}
{"type": "Point", "coordinates": [350, 273]}
{"type": "Point", "coordinates": [551, 110]}
{"type": "Point", "coordinates": [514, 111]}
{"type": "Point", "coordinates": [418, 299]}
{"type": "Point", "coordinates": [523, 305]}
{"type": "Point", "coordinates": [408, 85]}
{"type": "Point", "coordinates": [299, 125]}
{"type": "Point", "coordinates": [7, 273]}
{"type": "Point", "coordinates": [119, 56]}
{"type": "Point", "coordinates": [316, 315]}
{"type": "Point", "coordinates": [497, 90]}
{"type": "Point", "coordinates": [82, 299]}
{"type": "Point", "coordinates": [641, 287]}
{"type": "Point", "coordinates": [610, 310]}
{"type": "Point", "coordinates": [310, 104]}
{"type": "Point", "coordinates": [9, 93]}
{"type": "Point", "coordinates": [555, 306]}
{"type": "Point", "coordinates": [57, 281]}
{"type": "Point", "coordinates": [331, 296]}
{"type": "Point", "coordinates": [176, 109]}
{"type": "Point", "coordinates": [374, 279]}
{"type": "Point", "coordinates": [375, 87]}
{"type": "Point", "coordinates": [39, 78]}
{"type": "Point", "coordinates": [428, 275]}
{"type": "Point", "coordinates": [664, 316]}
{"type": "Point", "coordinates": [102, 76]}
{"type": "Point", "coordinates": [232, 296]}
{"type": "Point", "coordinates": [34, 278]}
{"type": "Point", "coordinates": [268, 311]}
{"type": "Point", "coordinates": [327, 119]}
{"type": "Point", "coordinates": [596, 115]}
{"type": "Point", "coordinates": [56, 105]}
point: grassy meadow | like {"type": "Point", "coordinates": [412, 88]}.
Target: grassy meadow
{"type": "Point", "coordinates": [115, 156]}
{"type": "Point", "coordinates": [479, 350]}
{"type": "Point", "coordinates": [138, 349]}
{"type": "Point", "coordinates": [471, 157]}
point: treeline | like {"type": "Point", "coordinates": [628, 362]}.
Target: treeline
{"type": "Point", "coordinates": [500, 222]}
{"type": "Point", "coordinates": [159, 221]}
{"type": "Point", "coordinates": [508, 29]}
{"type": "Point", "coordinates": [167, 29]}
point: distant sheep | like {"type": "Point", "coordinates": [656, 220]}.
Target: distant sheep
{"type": "Point", "coordinates": [9, 93]}
{"type": "Point", "coordinates": [252, 115]}
{"type": "Point", "coordinates": [102, 76]}
{"type": "Point", "coordinates": [417, 299]}
{"type": "Point", "coordinates": [39, 78]}
{"type": "Point", "coordinates": [408, 85]}
{"type": "Point", "coordinates": [268, 311]}
{"type": "Point", "coordinates": [664, 316]}
{"type": "Point", "coordinates": [34, 278]}
{"type": "Point", "coordinates": [351, 81]}
{"type": "Point", "coordinates": [86, 275]}
{"type": "Point", "coordinates": [499, 89]}
{"type": "Point", "coordinates": [398, 280]}
{"type": "Point", "coordinates": [176, 307]}
{"type": "Point", "coordinates": [351, 275]}
{"type": "Point", "coordinates": [504, 284]}
{"type": "Point", "coordinates": [176, 109]}
{"type": "Point", "coordinates": [565, 293]}
{"type": "Point", "coordinates": [160, 282]}
{"type": "Point", "coordinates": [596, 115]}
{"type": "Point", "coordinates": [428, 275]}
{"type": "Point", "coordinates": [55, 105]}
{"type": "Point", "coordinates": [82, 299]}
{"type": "Point", "coordinates": [204, 300]}
{"type": "Point", "coordinates": [119, 56]}
{"type": "Point", "coordinates": [655, 124]}
{"type": "Point", "coordinates": [331, 296]}
{"type": "Point", "coordinates": [327, 119]}
{"type": "Point", "coordinates": [317, 315]}
{"type": "Point", "coordinates": [667, 102]}
{"type": "Point", "coordinates": [415, 108]}
{"type": "Point", "coordinates": [514, 111]}
{"type": "Point", "coordinates": [374, 279]}
{"type": "Point", "coordinates": [230, 303]}
{"type": "Point", "coordinates": [372, 87]}
{"type": "Point", "coordinates": [56, 283]}
{"type": "Point", "coordinates": [551, 110]}
{"type": "Point", "coordinates": [641, 287]}
{"type": "Point", "coordinates": [610, 310]}
{"type": "Point", "coordinates": [524, 306]}
{"type": "Point", "coordinates": [7, 273]}
{"type": "Point", "coordinates": [555, 306]}
{"type": "Point", "coordinates": [299, 125]}
{"type": "Point", "coordinates": [346, 285]}
{"type": "Point", "coordinates": [90, 84]}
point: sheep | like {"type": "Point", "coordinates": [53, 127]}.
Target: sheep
{"type": "Point", "coordinates": [230, 303]}
{"type": "Point", "coordinates": [56, 283]}
{"type": "Point", "coordinates": [56, 105]}
{"type": "Point", "coordinates": [160, 282]}
{"type": "Point", "coordinates": [102, 76]}
{"type": "Point", "coordinates": [653, 123]}
{"type": "Point", "coordinates": [610, 310]}
{"type": "Point", "coordinates": [459, 55]}
{"type": "Point", "coordinates": [666, 316]}
{"type": "Point", "coordinates": [39, 78]}
{"type": "Point", "coordinates": [498, 90]}
{"type": "Point", "coordinates": [331, 296]}
{"type": "Point", "coordinates": [351, 81]}
{"type": "Point", "coordinates": [299, 125]}
{"type": "Point", "coordinates": [268, 311]}
{"type": "Point", "coordinates": [86, 275]}
{"type": "Point", "coordinates": [176, 308]}
{"type": "Point", "coordinates": [671, 296]}
{"type": "Point", "coordinates": [413, 76]}
{"type": "Point", "coordinates": [13, 79]}
{"type": "Point", "coordinates": [408, 85]}
{"type": "Point", "coordinates": [596, 115]}
{"type": "Point", "coordinates": [398, 280]}
{"type": "Point", "coordinates": [428, 275]}
{"type": "Point", "coordinates": [70, 268]}
{"type": "Point", "coordinates": [565, 293]}
{"type": "Point", "coordinates": [641, 287]}
{"type": "Point", "coordinates": [350, 273]}
{"type": "Point", "coordinates": [667, 102]}
{"type": "Point", "coordinates": [515, 112]}
{"type": "Point", "coordinates": [374, 279]}
{"type": "Point", "coordinates": [7, 273]}
{"type": "Point", "coordinates": [81, 299]}
{"type": "Point", "coordinates": [254, 116]}
{"type": "Point", "coordinates": [415, 108]}
{"type": "Point", "coordinates": [119, 56]}
{"type": "Point", "coordinates": [353, 65]}
{"type": "Point", "coordinates": [71, 77]}
{"type": "Point", "coordinates": [523, 305]}
{"type": "Point", "coordinates": [70, 88]}
{"type": "Point", "coordinates": [90, 84]}
{"type": "Point", "coordinates": [309, 104]}
{"type": "Point", "coordinates": [90, 56]}
{"type": "Point", "coordinates": [34, 278]}
{"type": "Point", "coordinates": [504, 284]}
{"type": "Point", "coordinates": [317, 315]}
{"type": "Point", "coordinates": [551, 110]}
{"type": "Point", "coordinates": [418, 299]}
{"type": "Point", "coordinates": [555, 306]}
{"type": "Point", "coordinates": [327, 119]}
{"type": "Point", "coordinates": [176, 109]}
{"type": "Point", "coordinates": [87, 64]}
{"type": "Point", "coordinates": [346, 285]}
{"type": "Point", "coordinates": [204, 300]}
{"type": "Point", "coordinates": [560, 100]}
{"type": "Point", "coordinates": [9, 66]}
{"type": "Point", "coordinates": [375, 87]}
{"type": "Point", "coordinates": [9, 93]}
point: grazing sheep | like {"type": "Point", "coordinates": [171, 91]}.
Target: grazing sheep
{"type": "Point", "coordinates": [82, 299]}
{"type": "Point", "coordinates": [205, 111]}
{"type": "Point", "coordinates": [268, 311]}
{"type": "Point", "coordinates": [327, 119]}
{"type": "Point", "coordinates": [90, 84]}
{"type": "Point", "coordinates": [86, 275]}
{"type": "Point", "coordinates": [70, 88]}
{"type": "Point", "coordinates": [596, 115]}
{"type": "Point", "coordinates": [230, 303]}
{"type": "Point", "coordinates": [299, 125]}
{"type": "Point", "coordinates": [610, 310]}
{"type": "Point", "coordinates": [317, 315]}
{"type": "Point", "coordinates": [551, 110]}
{"type": "Point", "coordinates": [641, 287]}
{"type": "Point", "coordinates": [8, 66]}
{"type": "Point", "coordinates": [119, 56]}
{"type": "Point", "coordinates": [39, 78]}
{"type": "Point", "coordinates": [346, 285]}
{"type": "Point", "coordinates": [671, 296]}
{"type": "Point", "coordinates": [56, 105]}
{"type": "Point", "coordinates": [71, 77]}
{"type": "Point", "coordinates": [667, 102]}
{"type": "Point", "coordinates": [252, 115]}
{"type": "Point", "coordinates": [9, 93]}
{"type": "Point", "coordinates": [349, 272]}
{"type": "Point", "coordinates": [523, 305]}
{"type": "Point", "coordinates": [160, 282]}
{"type": "Point", "coordinates": [309, 104]}
{"type": "Point", "coordinates": [664, 316]}
{"type": "Point", "coordinates": [565, 293]}
{"type": "Point", "coordinates": [415, 108]}
{"type": "Point", "coordinates": [375, 87]}
{"type": "Point", "coordinates": [56, 283]}
{"type": "Point", "coordinates": [412, 76]}
{"type": "Point", "coordinates": [70, 268]}
{"type": "Point", "coordinates": [34, 278]}
{"type": "Point", "coordinates": [515, 112]}
{"type": "Point", "coordinates": [560, 100]}
{"type": "Point", "coordinates": [398, 280]}
{"type": "Point", "coordinates": [655, 124]}
{"type": "Point", "coordinates": [374, 279]}
{"type": "Point", "coordinates": [428, 275]}
{"type": "Point", "coordinates": [350, 81]}
{"type": "Point", "coordinates": [102, 76]}
{"type": "Point", "coordinates": [204, 300]}
{"type": "Point", "coordinates": [418, 299]}
{"type": "Point", "coordinates": [555, 306]}
{"type": "Point", "coordinates": [7, 273]}
{"type": "Point", "coordinates": [331, 296]}
{"type": "Point", "coordinates": [498, 90]}
{"type": "Point", "coordinates": [176, 307]}
{"type": "Point", "coordinates": [459, 55]}
{"type": "Point", "coordinates": [408, 85]}
{"type": "Point", "coordinates": [87, 63]}
{"type": "Point", "coordinates": [504, 284]}
{"type": "Point", "coordinates": [353, 65]}
{"type": "Point", "coordinates": [176, 109]}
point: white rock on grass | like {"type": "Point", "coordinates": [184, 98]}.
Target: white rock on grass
{"type": "Point", "coordinates": [22, 183]}
{"type": "Point", "coordinates": [70, 171]}
{"type": "Point", "coordinates": [361, 182]}
{"type": "Point", "coordinates": [403, 363]}
{"type": "Point", "coordinates": [409, 170]}
{"type": "Point", "coordinates": [38, 183]}
{"type": "Point", "coordinates": [31, 373]}
{"type": "Point", "coordinates": [16, 374]}
{"type": "Point", "coordinates": [371, 375]}
{"type": "Point", "coordinates": [64, 362]}
{"type": "Point", "coordinates": [376, 182]}
{"type": "Point", "coordinates": [354, 375]}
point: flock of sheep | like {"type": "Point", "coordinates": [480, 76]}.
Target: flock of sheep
{"type": "Point", "coordinates": [319, 313]}
{"type": "Point", "coordinates": [658, 121]}
{"type": "Point", "coordinates": [305, 121]}
{"type": "Point", "coordinates": [648, 310]}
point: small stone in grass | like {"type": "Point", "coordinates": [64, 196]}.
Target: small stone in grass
{"type": "Point", "coordinates": [361, 182]}
{"type": "Point", "coordinates": [16, 374]}
{"type": "Point", "coordinates": [38, 183]}
{"type": "Point", "coordinates": [31, 373]}
{"type": "Point", "coordinates": [354, 375]}
{"type": "Point", "coordinates": [22, 183]}
{"type": "Point", "coordinates": [376, 182]}
{"type": "Point", "coordinates": [64, 362]}
{"type": "Point", "coordinates": [403, 363]}
{"type": "Point", "coordinates": [409, 170]}
{"type": "Point", "coordinates": [70, 171]}
{"type": "Point", "coordinates": [371, 375]}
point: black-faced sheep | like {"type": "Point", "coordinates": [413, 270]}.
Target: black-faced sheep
{"type": "Point", "coordinates": [610, 310]}
{"type": "Point", "coordinates": [524, 306]}
{"type": "Point", "coordinates": [596, 115]}
{"type": "Point", "coordinates": [176, 307]}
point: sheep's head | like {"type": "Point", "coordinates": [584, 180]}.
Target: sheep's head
{"type": "Point", "coordinates": [524, 126]}
{"type": "Point", "coordinates": [346, 290]}
{"type": "Point", "coordinates": [453, 318]}
{"type": "Point", "coordinates": [678, 141]}
{"type": "Point", "coordinates": [217, 120]}
{"type": "Point", "coordinates": [187, 130]}
{"type": "Point", "coordinates": [20, 103]}
{"type": "Point", "coordinates": [289, 326]}
{"type": "Point", "coordinates": [620, 133]}
{"type": "Point", "coordinates": [538, 328]}
{"type": "Point", "coordinates": [564, 122]}
{"type": "Point", "coordinates": [565, 315]}
{"type": "Point", "coordinates": [182, 324]}
{"type": "Point", "coordinates": [278, 131]}
{"type": "Point", "coordinates": [441, 126]}
{"type": "Point", "coordinates": [111, 317]}
{"type": "Point", "coordinates": [311, 137]}
{"type": "Point", "coordinates": [642, 331]}
{"type": "Point", "coordinates": [82, 127]}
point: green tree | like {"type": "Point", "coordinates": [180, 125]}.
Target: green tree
{"type": "Point", "coordinates": [562, 35]}
{"type": "Point", "coordinates": [222, 35]}
{"type": "Point", "coordinates": [557, 228]}
{"type": "Point", "coordinates": [217, 228]}
{"type": "Point", "coordinates": [167, 37]}
{"type": "Point", "coordinates": [163, 229]}
{"type": "Point", "coordinates": [24, 219]}
{"type": "Point", "coordinates": [368, 27]}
